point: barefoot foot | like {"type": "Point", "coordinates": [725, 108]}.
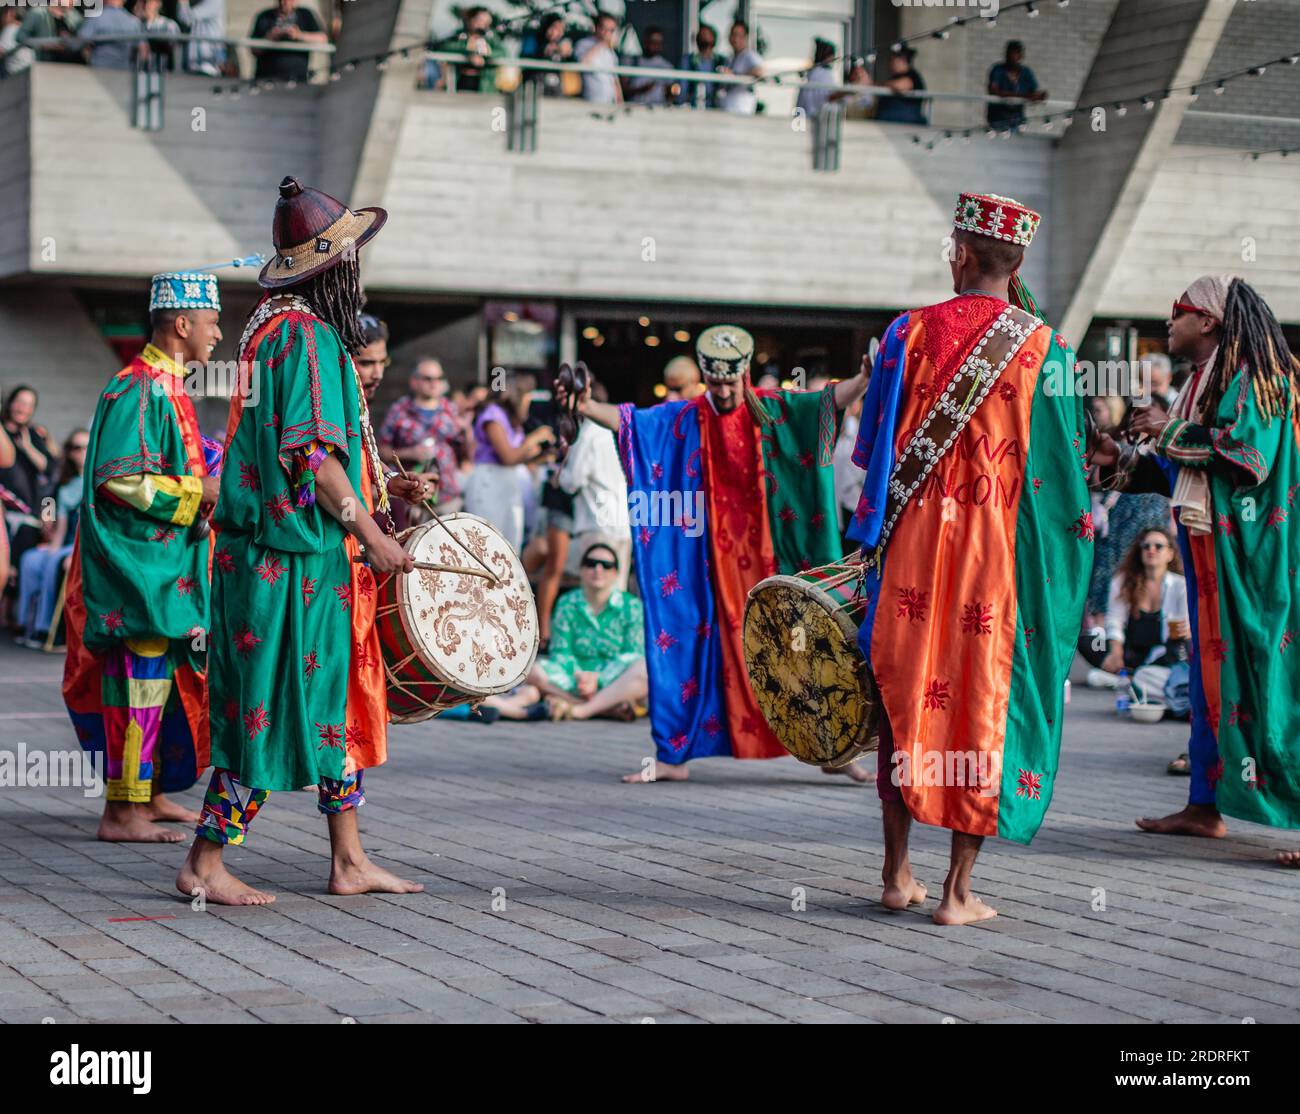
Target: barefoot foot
{"type": "Point", "coordinates": [363, 877]}
{"type": "Point", "coordinates": [953, 911]}
{"type": "Point", "coordinates": [853, 771]}
{"type": "Point", "coordinates": [902, 892]}
{"type": "Point", "coordinates": [133, 825]}
{"type": "Point", "coordinates": [1289, 858]}
{"type": "Point", "coordinates": [662, 772]}
{"type": "Point", "coordinates": [216, 884]}
{"type": "Point", "coordinates": [1194, 820]}
{"type": "Point", "coordinates": [160, 808]}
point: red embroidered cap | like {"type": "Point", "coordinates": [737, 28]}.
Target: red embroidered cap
{"type": "Point", "coordinates": [1003, 218]}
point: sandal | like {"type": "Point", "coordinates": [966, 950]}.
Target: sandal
{"type": "Point", "coordinates": [1180, 765]}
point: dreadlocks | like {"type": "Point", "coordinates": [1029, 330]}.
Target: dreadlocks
{"type": "Point", "coordinates": [1252, 339]}
{"type": "Point", "coordinates": [336, 296]}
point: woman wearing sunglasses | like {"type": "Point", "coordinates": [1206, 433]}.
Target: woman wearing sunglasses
{"type": "Point", "coordinates": [596, 664]}
{"type": "Point", "coordinates": [1146, 618]}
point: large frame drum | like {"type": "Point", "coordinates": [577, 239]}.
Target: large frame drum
{"type": "Point", "coordinates": [808, 675]}
{"type": "Point", "coordinates": [452, 638]}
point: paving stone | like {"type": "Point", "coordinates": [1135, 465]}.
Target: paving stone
{"type": "Point", "coordinates": [625, 904]}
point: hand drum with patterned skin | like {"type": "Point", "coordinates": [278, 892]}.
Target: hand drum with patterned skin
{"type": "Point", "coordinates": [808, 676]}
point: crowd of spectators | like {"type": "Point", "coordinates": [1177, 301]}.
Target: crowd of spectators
{"type": "Point", "coordinates": [103, 38]}
{"type": "Point", "coordinates": [552, 39]}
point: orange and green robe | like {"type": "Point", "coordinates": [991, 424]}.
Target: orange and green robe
{"type": "Point", "coordinates": [974, 613]}
{"type": "Point", "coordinates": [717, 504]}
{"type": "Point", "coordinates": [1244, 599]}
{"type": "Point", "coordinates": [298, 682]}
{"type": "Point", "coordinates": [136, 599]}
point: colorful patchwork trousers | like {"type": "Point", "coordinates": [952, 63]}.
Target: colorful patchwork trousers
{"type": "Point", "coordinates": [229, 807]}
{"type": "Point", "coordinates": [136, 688]}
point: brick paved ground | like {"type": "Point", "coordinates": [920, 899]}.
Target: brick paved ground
{"type": "Point", "coordinates": [671, 902]}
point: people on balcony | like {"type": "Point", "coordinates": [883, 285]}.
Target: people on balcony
{"type": "Point", "coordinates": [14, 57]}
{"type": "Point", "coordinates": [479, 44]}
{"type": "Point", "coordinates": [903, 78]}
{"type": "Point", "coordinates": [205, 19]}
{"type": "Point", "coordinates": [745, 62]}
{"type": "Point", "coordinates": [286, 22]}
{"type": "Point", "coordinates": [162, 32]}
{"type": "Point", "coordinates": [649, 90]}
{"type": "Point", "coordinates": [704, 59]}
{"type": "Point", "coordinates": [551, 44]}
{"type": "Point", "coordinates": [100, 34]}
{"type": "Point", "coordinates": [597, 49]}
{"type": "Point", "coordinates": [1011, 78]}
{"type": "Point", "coordinates": [819, 82]}
{"type": "Point", "coordinates": [56, 21]}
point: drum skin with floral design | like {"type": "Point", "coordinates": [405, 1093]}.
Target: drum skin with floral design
{"type": "Point", "coordinates": [452, 638]}
{"type": "Point", "coordinates": [808, 675]}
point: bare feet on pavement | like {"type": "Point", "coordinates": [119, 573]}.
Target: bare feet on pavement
{"type": "Point", "coordinates": [365, 878]}
{"type": "Point", "coordinates": [663, 772]}
{"type": "Point", "coordinates": [1194, 820]}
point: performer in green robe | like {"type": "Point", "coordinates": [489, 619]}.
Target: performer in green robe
{"type": "Point", "coordinates": [298, 693]}
{"type": "Point", "coordinates": [136, 599]}
{"type": "Point", "coordinates": [1228, 455]}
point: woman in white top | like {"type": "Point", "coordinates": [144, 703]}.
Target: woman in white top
{"type": "Point", "coordinates": [1146, 617]}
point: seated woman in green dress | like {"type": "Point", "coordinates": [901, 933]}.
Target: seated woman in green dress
{"type": "Point", "coordinates": [596, 665]}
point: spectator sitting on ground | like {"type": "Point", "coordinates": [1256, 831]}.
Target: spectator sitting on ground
{"type": "Point", "coordinates": [286, 22]}
{"type": "Point", "coordinates": [1009, 78]}
{"type": "Point", "coordinates": [647, 90]}
{"type": "Point", "coordinates": [206, 19]}
{"type": "Point", "coordinates": [702, 94]}
{"type": "Point", "coordinates": [745, 62]}
{"type": "Point", "coordinates": [160, 30]}
{"type": "Point", "coordinates": [819, 82]}
{"type": "Point", "coordinates": [903, 78]}
{"type": "Point", "coordinates": [42, 567]}
{"type": "Point", "coordinates": [371, 359]}
{"type": "Point", "coordinates": [14, 57]}
{"type": "Point", "coordinates": [682, 379]}
{"type": "Point", "coordinates": [552, 45]}
{"type": "Point", "coordinates": [479, 44]}
{"type": "Point", "coordinates": [113, 20]}
{"type": "Point", "coordinates": [56, 21]}
{"type": "Point", "coordinates": [597, 49]}
{"type": "Point", "coordinates": [596, 665]}
{"type": "Point", "coordinates": [1147, 621]}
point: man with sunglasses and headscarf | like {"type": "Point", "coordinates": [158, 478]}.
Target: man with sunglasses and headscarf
{"type": "Point", "coordinates": [1227, 453]}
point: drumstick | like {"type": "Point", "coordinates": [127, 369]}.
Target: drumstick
{"type": "Point", "coordinates": [433, 510]}
{"type": "Point", "coordinates": [432, 567]}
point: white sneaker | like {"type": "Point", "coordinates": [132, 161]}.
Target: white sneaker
{"type": "Point", "coordinates": [1100, 679]}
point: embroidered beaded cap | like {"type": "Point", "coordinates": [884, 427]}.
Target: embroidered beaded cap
{"type": "Point", "coordinates": [1003, 218]}
{"type": "Point", "coordinates": [724, 352]}
{"type": "Point", "coordinates": [184, 290]}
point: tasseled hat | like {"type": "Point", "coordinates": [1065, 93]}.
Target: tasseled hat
{"type": "Point", "coordinates": [313, 231]}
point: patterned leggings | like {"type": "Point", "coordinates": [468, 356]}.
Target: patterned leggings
{"type": "Point", "coordinates": [229, 807]}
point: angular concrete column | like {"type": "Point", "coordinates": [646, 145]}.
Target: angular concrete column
{"type": "Point", "coordinates": [361, 113]}
{"type": "Point", "coordinates": [1102, 178]}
